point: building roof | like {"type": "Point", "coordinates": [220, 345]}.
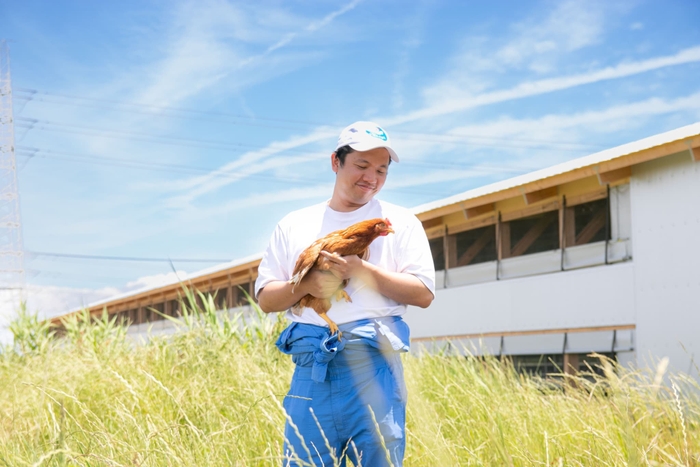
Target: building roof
{"type": "Point", "coordinates": [594, 164]}
{"type": "Point", "coordinates": [178, 281]}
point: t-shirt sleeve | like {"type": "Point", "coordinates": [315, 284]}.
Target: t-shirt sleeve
{"type": "Point", "coordinates": [273, 266]}
{"type": "Point", "coordinates": [414, 254]}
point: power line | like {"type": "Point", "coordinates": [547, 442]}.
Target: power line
{"type": "Point", "coordinates": [154, 166]}
{"type": "Point", "coordinates": [31, 152]}
{"type": "Point", "coordinates": [298, 181]}
{"type": "Point", "coordinates": [127, 258]}
{"type": "Point", "coordinates": [253, 121]}
{"type": "Point", "coordinates": [161, 108]}
{"type": "Point", "coordinates": [33, 124]}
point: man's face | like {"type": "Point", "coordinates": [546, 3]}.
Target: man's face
{"type": "Point", "coordinates": [361, 177]}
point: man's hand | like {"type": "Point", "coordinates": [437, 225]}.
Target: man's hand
{"type": "Point", "coordinates": [343, 267]}
{"type": "Point", "coordinates": [400, 287]}
{"type": "Point", "coordinates": [321, 284]}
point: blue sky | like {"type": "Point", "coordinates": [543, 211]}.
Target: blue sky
{"type": "Point", "coordinates": [188, 129]}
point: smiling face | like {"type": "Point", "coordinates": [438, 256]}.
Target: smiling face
{"type": "Point", "coordinates": [359, 179]}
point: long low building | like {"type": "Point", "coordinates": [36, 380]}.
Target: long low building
{"type": "Point", "coordinates": [598, 254]}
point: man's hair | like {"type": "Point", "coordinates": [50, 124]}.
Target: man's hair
{"type": "Point", "coordinates": [343, 151]}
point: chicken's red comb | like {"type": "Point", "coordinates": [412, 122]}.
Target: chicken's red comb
{"type": "Point", "coordinates": [388, 222]}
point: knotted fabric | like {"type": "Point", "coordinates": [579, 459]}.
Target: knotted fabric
{"type": "Point", "coordinates": [313, 346]}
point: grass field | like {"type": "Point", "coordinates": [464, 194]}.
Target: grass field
{"type": "Point", "coordinates": [211, 396]}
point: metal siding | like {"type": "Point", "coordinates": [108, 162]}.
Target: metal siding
{"type": "Point", "coordinates": [462, 347]}
{"type": "Point", "coordinates": [620, 220]}
{"type": "Point", "coordinates": [666, 228]}
{"type": "Point", "coordinates": [585, 342]}
{"type": "Point", "coordinates": [596, 296]}
{"type": "Point", "coordinates": [534, 344]}
{"type": "Point", "coordinates": [472, 274]}
{"type": "Point", "coordinates": [532, 264]}
{"type": "Point", "coordinates": [625, 340]}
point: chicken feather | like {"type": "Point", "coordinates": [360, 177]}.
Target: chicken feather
{"type": "Point", "coordinates": [354, 240]}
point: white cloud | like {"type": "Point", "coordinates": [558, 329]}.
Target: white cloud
{"type": "Point", "coordinates": [51, 300]}
{"type": "Point", "coordinates": [209, 42]}
{"type": "Point", "coordinates": [537, 43]}
{"type": "Point", "coordinates": [155, 280]}
{"type": "Point", "coordinates": [313, 26]}
{"type": "Point", "coordinates": [544, 86]}
{"type": "Point", "coordinates": [560, 126]}
{"type": "Point", "coordinates": [242, 166]}
{"type": "Point", "coordinates": [249, 163]}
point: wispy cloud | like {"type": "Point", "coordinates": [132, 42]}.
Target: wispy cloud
{"type": "Point", "coordinates": [548, 85]}
{"type": "Point", "coordinates": [246, 163]}
{"type": "Point", "coordinates": [604, 121]}
{"type": "Point", "coordinates": [537, 43]}
{"type": "Point", "coordinates": [207, 46]}
{"type": "Point", "coordinates": [574, 127]}
{"type": "Point", "coordinates": [208, 183]}
{"type": "Point", "coordinates": [312, 27]}
{"type": "Point", "coordinates": [415, 29]}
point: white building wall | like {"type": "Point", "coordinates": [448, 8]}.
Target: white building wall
{"type": "Point", "coordinates": [597, 296]}
{"type": "Point", "coordinates": [665, 204]}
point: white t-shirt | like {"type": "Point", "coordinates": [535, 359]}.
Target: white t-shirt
{"type": "Point", "coordinates": [406, 250]}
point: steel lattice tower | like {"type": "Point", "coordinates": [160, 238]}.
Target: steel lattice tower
{"type": "Point", "coordinates": [12, 277]}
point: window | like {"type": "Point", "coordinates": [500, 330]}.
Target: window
{"type": "Point", "coordinates": [174, 308]}
{"type": "Point", "coordinates": [585, 223]}
{"type": "Point", "coordinates": [221, 299]}
{"type": "Point", "coordinates": [122, 318]}
{"type": "Point", "coordinates": [134, 316]}
{"type": "Point", "coordinates": [437, 247]}
{"type": "Point", "coordinates": [538, 365]}
{"type": "Point", "coordinates": [530, 235]}
{"type": "Point", "coordinates": [553, 364]}
{"type": "Point", "coordinates": [473, 246]}
{"type": "Point", "coordinates": [160, 308]}
{"type": "Point", "coordinates": [238, 298]}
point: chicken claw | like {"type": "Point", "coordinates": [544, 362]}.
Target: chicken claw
{"type": "Point", "coordinates": [331, 324]}
{"type": "Point", "coordinates": [341, 293]}
{"type": "Point", "coordinates": [334, 330]}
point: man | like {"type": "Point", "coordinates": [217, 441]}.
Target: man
{"type": "Point", "coordinates": [347, 397]}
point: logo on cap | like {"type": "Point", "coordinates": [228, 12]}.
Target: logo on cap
{"type": "Point", "coordinates": [380, 135]}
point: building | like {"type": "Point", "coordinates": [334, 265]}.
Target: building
{"type": "Point", "coordinates": [598, 254]}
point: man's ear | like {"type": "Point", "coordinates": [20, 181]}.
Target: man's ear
{"type": "Point", "coordinates": [335, 163]}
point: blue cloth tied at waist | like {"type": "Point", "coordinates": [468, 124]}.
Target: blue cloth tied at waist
{"type": "Point", "coordinates": [313, 346]}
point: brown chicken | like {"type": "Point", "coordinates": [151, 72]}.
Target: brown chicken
{"type": "Point", "coordinates": [354, 240]}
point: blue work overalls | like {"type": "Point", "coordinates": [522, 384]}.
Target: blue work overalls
{"type": "Point", "coordinates": [347, 397]}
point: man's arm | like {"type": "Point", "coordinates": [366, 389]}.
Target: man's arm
{"type": "Point", "coordinates": [400, 287]}
{"type": "Point", "coordinates": [278, 295]}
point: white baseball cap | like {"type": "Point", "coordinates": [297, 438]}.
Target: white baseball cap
{"type": "Point", "coordinates": [363, 136]}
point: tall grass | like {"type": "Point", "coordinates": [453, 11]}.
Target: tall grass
{"type": "Point", "coordinates": [211, 396]}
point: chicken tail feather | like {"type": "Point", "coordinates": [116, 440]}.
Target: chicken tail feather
{"type": "Point", "coordinates": [297, 310]}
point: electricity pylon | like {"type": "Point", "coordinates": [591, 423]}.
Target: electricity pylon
{"type": "Point", "coordinates": [12, 280]}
